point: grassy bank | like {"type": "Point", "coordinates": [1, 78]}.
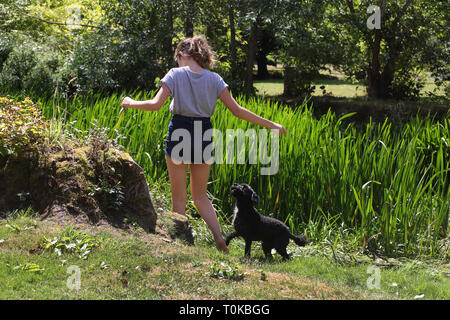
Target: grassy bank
{"type": "Point", "coordinates": [130, 264]}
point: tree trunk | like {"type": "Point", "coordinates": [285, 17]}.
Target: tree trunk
{"type": "Point", "coordinates": [189, 23]}
{"type": "Point", "coordinates": [233, 54]}
{"type": "Point", "coordinates": [261, 59]}
{"type": "Point", "coordinates": [250, 59]}
{"type": "Point", "coordinates": [374, 81]}
{"type": "Point", "coordinates": [387, 76]}
{"type": "Point", "coordinates": [379, 82]}
{"type": "Point", "coordinates": [289, 89]}
{"type": "Point", "coordinates": [168, 40]}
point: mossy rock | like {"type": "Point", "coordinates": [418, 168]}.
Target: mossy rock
{"type": "Point", "coordinates": [108, 185]}
{"type": "Point", "coordinates": [177, 226]}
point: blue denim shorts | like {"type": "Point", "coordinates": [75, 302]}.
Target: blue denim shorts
{"type": "Point", "coordinates": [185, 141]}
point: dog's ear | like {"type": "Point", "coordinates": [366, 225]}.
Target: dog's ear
{"type": "Point", "coordinates": [255, 198]}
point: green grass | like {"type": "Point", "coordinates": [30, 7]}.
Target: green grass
{"type": "Point", "coordinates": [134, 265]}
{"type": "Point", "coordinates": [338, 87]}
{"type": "Point", "coordinates": [272, 87]}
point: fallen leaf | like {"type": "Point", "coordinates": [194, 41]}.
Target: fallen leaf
{"type": "Point", "coordinates": [31, 251]}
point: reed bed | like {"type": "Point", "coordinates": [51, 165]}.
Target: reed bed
{"type": "Point", "coordinates": [385, 187]}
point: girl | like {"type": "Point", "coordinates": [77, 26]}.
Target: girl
{"type": "Point", "coordinates": [195, 91]}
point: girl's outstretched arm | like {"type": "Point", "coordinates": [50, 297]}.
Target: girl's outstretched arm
{"type": "Point", "coordinates": [247, 115]}
{"type": "Point", "coordinates": [149, 105]}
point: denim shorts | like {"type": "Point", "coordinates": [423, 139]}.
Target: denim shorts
{"type": "Point", "coordinates": [186, 141]}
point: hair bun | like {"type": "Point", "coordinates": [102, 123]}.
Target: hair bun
{"type": "Point", "coordinates": [198, 48]}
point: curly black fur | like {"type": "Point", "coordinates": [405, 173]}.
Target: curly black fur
{"type": "Point", "coordinates": [252, 226]}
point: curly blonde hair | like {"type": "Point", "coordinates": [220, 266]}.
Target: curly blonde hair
{"type": "Point", "coordinates": [198, 48]}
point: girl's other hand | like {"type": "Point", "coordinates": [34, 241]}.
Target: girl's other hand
{"type": "Point", "coordinates": [127, 102]}
{"type": "Point", "coordinates": [280, 128]}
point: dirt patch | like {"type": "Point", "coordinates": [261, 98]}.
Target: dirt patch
{"type": "Point", "coordinates": [286, 286]}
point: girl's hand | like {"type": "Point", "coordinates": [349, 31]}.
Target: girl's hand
{"type": "Point", "coordinates": [280, 128]}
{"type": "Point", "coordinates": [127, 103]}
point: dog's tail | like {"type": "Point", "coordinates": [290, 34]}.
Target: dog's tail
{"type": "Point", "coordinates": [299, 240]}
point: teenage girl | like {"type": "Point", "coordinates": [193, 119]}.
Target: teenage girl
{"type": "Point", "coordinates": [194, 91]}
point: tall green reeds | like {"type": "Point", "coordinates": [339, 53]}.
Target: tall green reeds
{"type": "Point", "coordinates": [390, 186]}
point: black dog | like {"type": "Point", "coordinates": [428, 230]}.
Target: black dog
{"type": "Point", "coordinates": [252, 226]}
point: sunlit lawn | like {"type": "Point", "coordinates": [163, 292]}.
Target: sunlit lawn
{"type": "Point", "coordinates": [336, 87]}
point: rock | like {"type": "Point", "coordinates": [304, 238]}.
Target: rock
{"type": "Point", "coordinates": [177, 226]}
{"type": "Point", "coordinates": [137, 203]}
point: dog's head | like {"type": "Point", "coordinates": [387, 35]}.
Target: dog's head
{"type": "Point", "coordinates": [244, 192]}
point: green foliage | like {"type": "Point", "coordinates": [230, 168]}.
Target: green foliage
{"type": "Point", "coordinates": [60, 21]}
{"type": "Point", "coordinates": [107, 190]}
{"type": "Point", "coordinates": [110, 195]}
{"type": "Point", "coordinates": [126, 45]}
{"type": "Point", "coordinates": [298, 81]}
{"type": "Point", "coordinates": [412, 36]}
{"type": "Point", "coordinates": [308, 43]}
{"type": "Point", "coordinates": [71, 242]}
{"type": "Point", "coordinates": [29, 267]}
{"type": "Point", "coordinates": [407, 84]}
{"type": "Point", "coordinates": [30, 68]}
{"type": "Point", "coordinates": [230, 271]}
{"type": "Point", "coordinates": [125, 51]}
{"type": "Point", "coordinates": [6, 46]}
{"type": "Point", "coordinates": [92, 64]}
{"type": "Point", "coordinates": [16, 227]}
{"type": "Point", "coordinates": [21, 124]}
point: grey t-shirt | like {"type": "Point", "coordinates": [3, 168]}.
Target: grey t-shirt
{"type": "Point", "coordinates": [194, 94]}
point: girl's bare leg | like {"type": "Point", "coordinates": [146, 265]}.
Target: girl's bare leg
{"type": "Point", "coordinates": [199, 181]}
{"type": "Point", "coordinates": [177, 176]}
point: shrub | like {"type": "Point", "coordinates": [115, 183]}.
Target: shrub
{"type": "Point", "coordinates": [236, 83]}
{"type": "Point", "coordinates": [127, 63]}
{"type": "Point", "coordinates": [30, 68]}
{"type": "Point", "coordinates": [16, 68]}
{"type": "Point", "coordinates": [226, 271]}
{"type": "Point", "coordinates": [298, 82]}
{"type": "Point", "coordinates": [406, 84]}
{"type": "Point", "coordinates": [21, 124]}
{"type": "Point", "coordinates": [91, 63]}
{"type": "Point", "coordinates": [5, 49]}
{"type": "Point", "coordinates": [71, 242]}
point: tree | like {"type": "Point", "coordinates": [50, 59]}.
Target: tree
{"type": "Point", "coordinates": [168, 47]}
{"type": "Point", "coordinates": [255, 15]}
{"type": "Point", "coordinates": [190, 8]}
{"type": "Point", "coordinates": [308, 43]}
{"type": "Point", "coordinates": [58, 20]}
{"type": "Point", "coordinates": [266, 44]}
{"type": "Point", "coordinates": [392, 53]}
